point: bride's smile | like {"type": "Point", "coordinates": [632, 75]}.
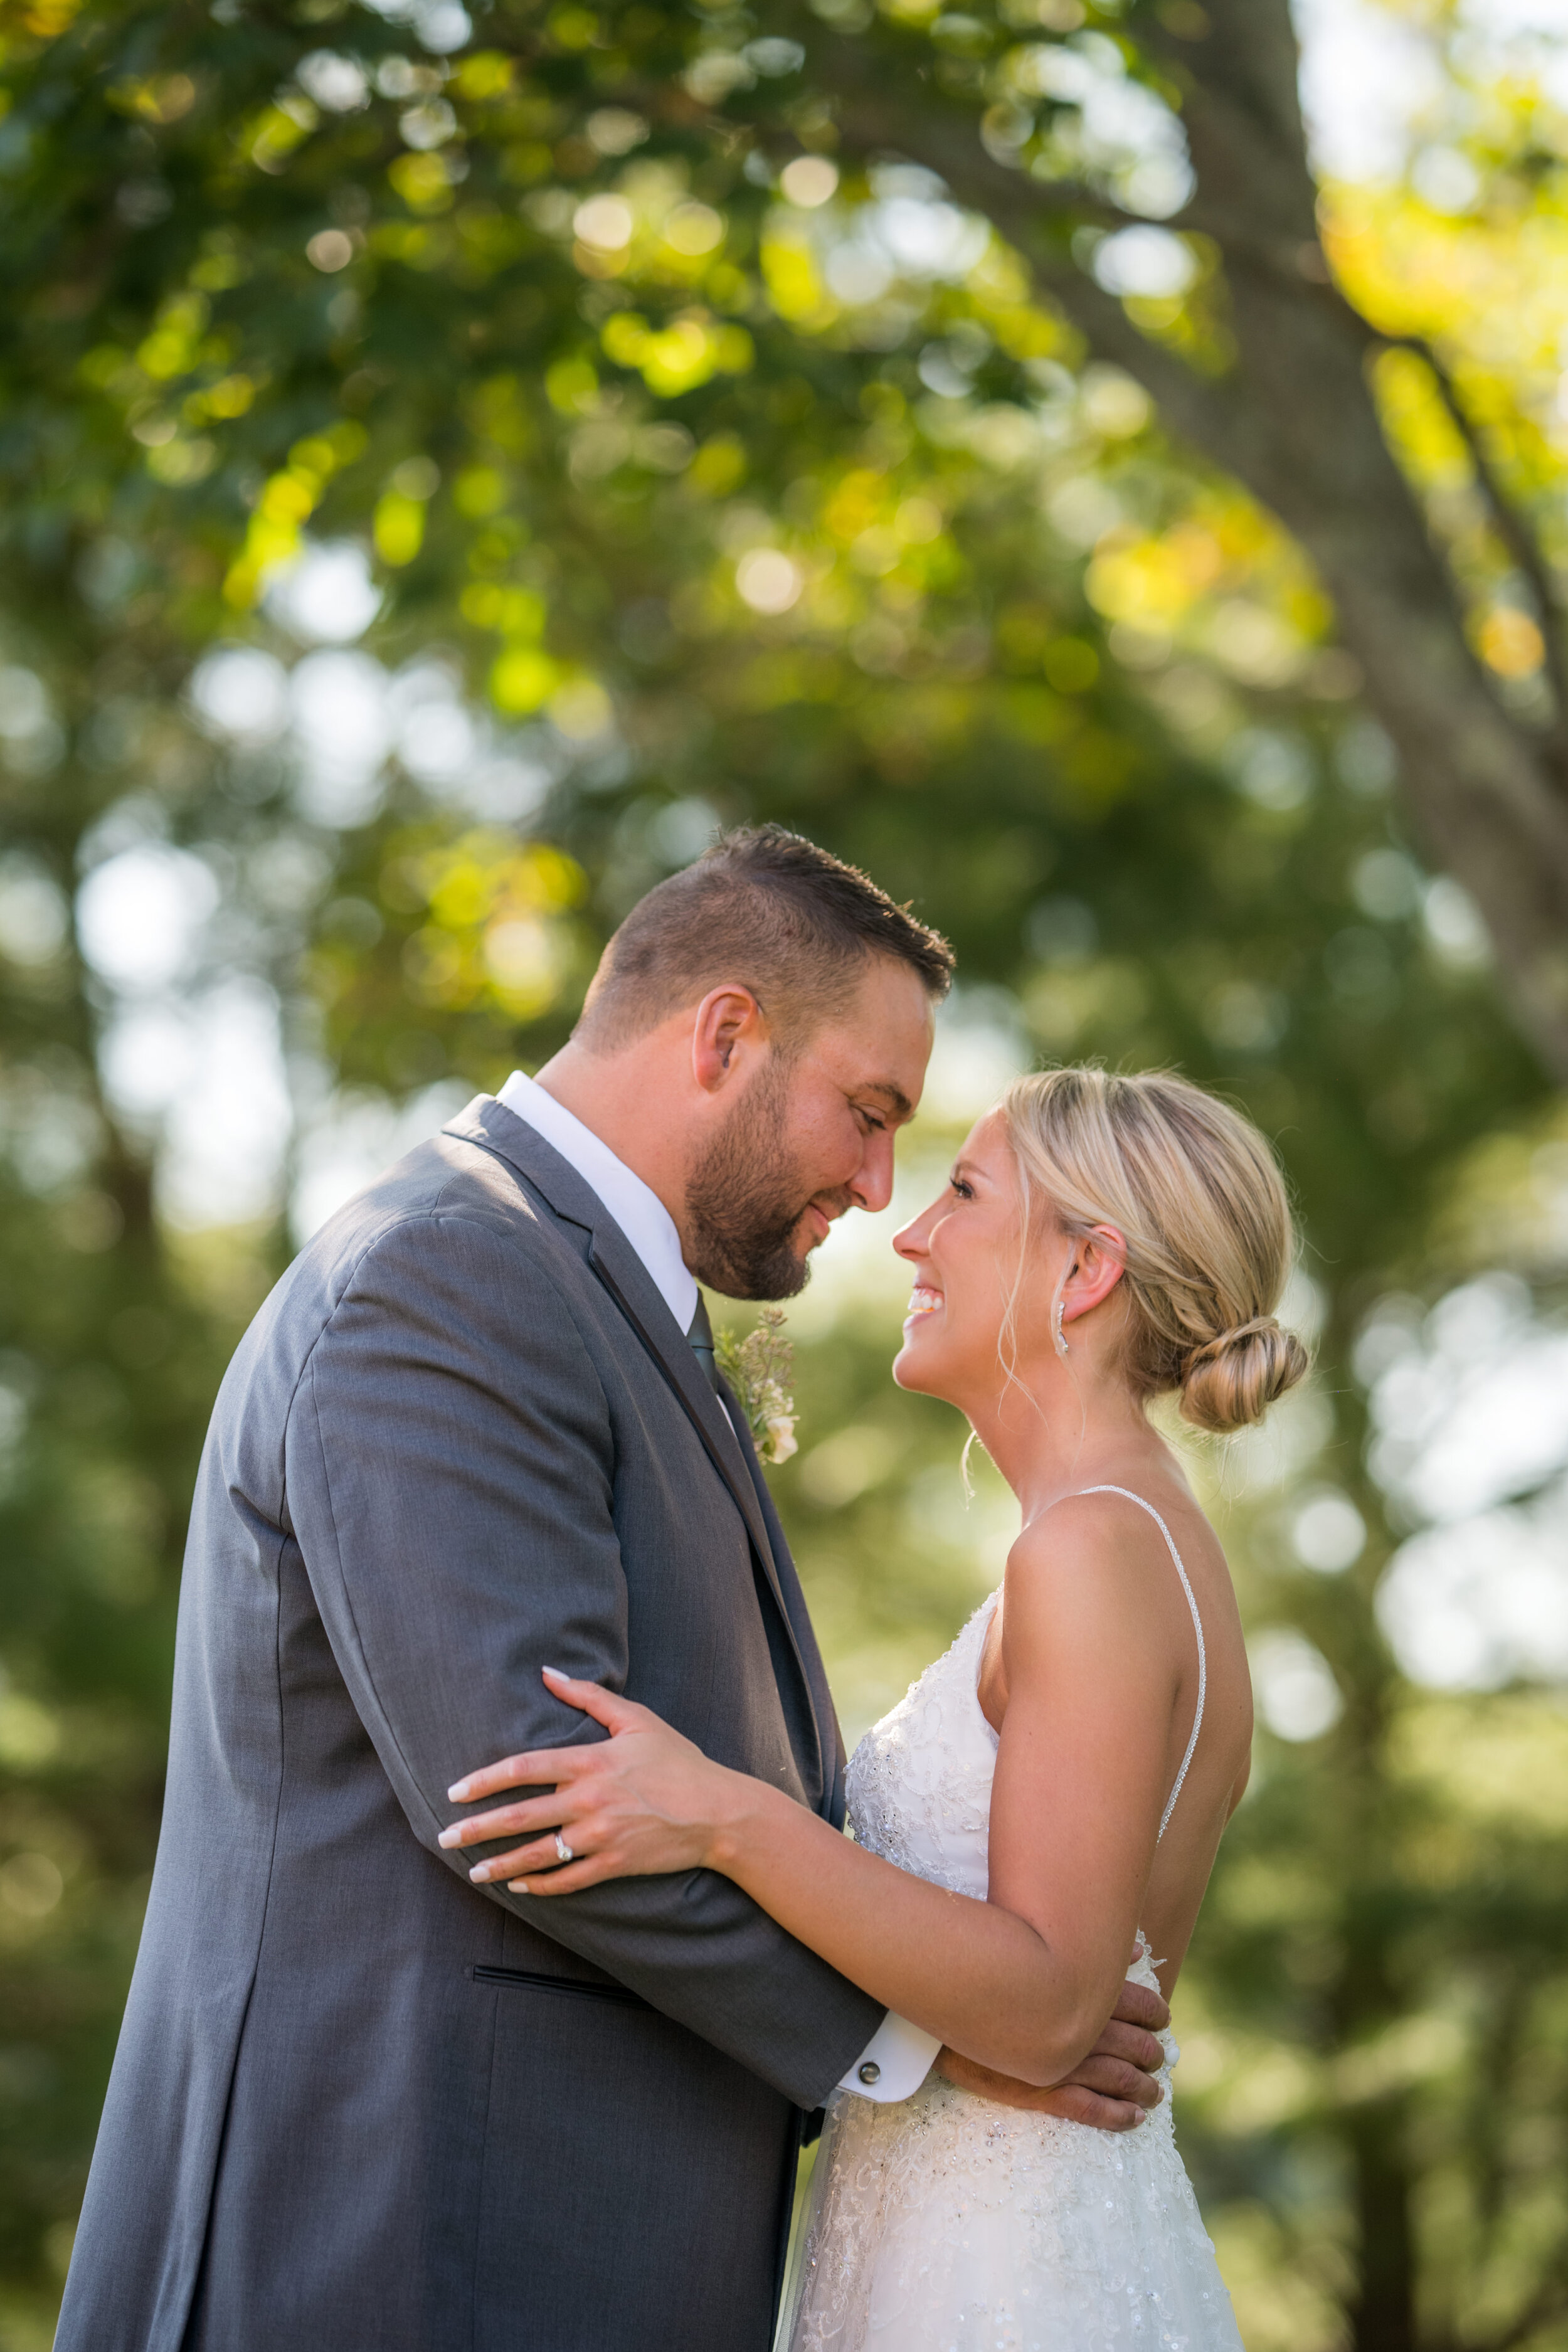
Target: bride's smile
{"type": "Point", "coordinates": [955, 1250]}
{"type": "Point", "coordinates": [984, 1303]}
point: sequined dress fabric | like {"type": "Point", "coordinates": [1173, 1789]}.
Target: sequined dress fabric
{"type": "Point", "coordinates": [945, 2222]}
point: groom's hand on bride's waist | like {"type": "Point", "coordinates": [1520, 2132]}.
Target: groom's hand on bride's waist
{"type": "Point", "coordinates": [1114, 2087]}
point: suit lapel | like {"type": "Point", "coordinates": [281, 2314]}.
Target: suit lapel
{"type": "Point", "coordinates": [797, 1618]}
{"type": "Point", "coordinates": [490, 1124]}
{"type": "Point", "coordinates": [621, 1272]}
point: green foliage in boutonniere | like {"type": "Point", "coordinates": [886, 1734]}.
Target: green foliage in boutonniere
{"type": "Point", "coordinates": [759, 1368]}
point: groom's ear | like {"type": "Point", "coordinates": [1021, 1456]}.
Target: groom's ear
{"type": "Point", "coordinates": [729, 1029]}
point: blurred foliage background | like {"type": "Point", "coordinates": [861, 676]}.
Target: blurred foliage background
{"type": "Point", "coordinates": [452, 463]}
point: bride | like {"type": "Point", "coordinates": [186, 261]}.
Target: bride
{"type": "Point", "coordinates": [1049, 1794]}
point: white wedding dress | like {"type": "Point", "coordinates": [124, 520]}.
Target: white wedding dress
{"type": "Point", "coordinates": [946, 2222]}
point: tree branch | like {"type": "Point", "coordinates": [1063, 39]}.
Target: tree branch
{"type": "Point", "coordinates": [879, 116]}
{"type": "Point", "coordinates": [1512, 528]}
{"type": "Point", "coordinates": [874, 112]}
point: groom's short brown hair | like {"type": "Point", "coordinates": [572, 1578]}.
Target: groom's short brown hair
{"type": "Point", "coordinates": [769, 910]}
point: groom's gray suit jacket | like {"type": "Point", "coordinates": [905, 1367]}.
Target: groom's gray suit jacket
{"type": "Point", "coordinates": [358, 2104]}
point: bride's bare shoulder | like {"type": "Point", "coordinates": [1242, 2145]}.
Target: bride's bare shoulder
{"type": "Point", "coordinates": [1102, 1553]}
{"type": "Point", "coordinates": [1096, 1522]}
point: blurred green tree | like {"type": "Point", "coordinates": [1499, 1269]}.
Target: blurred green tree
{"type": "Point", "coordinates": [701, 416]}
{"type": "Point", "coordinates": [236, 242]}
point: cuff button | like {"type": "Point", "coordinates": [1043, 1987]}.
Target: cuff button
{"type": "Point", "coordinates": [869, 2073]}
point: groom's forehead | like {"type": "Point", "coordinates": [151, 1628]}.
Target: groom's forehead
{"type": "Point", "coordinates": [878, 1049]}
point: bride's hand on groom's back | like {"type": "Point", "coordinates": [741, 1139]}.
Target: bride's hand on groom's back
{"type": "Point", "coordinates": [1114, 2088]}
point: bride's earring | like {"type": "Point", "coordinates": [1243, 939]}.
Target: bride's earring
{"type": "Point", "coordinates": [1057, 1334]}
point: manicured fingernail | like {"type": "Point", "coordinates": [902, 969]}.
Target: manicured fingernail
{"type": "Point", "coordinates": [449, 1837]}
{"type": "Point", "coordinates": [554, 1674]}
{"type": "Point", "coordinates": [480, 1872]}
{"type": "Point", "coordinates": [517, 1886]}
{"type": "Point", "coordinates": [457, 1793]}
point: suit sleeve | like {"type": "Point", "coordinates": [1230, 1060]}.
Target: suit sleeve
{"type": "Point", "coordinates": [449, 1477]}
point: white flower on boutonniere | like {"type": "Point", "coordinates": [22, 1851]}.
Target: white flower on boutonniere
{"type": "Point", "coordinates": [758, 1369]}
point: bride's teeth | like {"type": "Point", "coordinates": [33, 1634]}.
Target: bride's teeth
{"type": "Point", "coordinates": [924, 1302]}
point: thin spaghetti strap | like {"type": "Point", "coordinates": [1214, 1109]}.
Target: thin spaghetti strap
{"type": "Point", "coordinates": [1197, 1628]}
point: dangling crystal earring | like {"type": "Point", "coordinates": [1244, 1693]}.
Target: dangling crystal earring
{"type": "Point", "coordinates": [1058, 1335]}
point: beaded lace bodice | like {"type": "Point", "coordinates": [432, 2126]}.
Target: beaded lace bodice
{"type": "Point", "coordinates": [920, 1782]}
{"type": "Point", "coordinates": [947, 2222]}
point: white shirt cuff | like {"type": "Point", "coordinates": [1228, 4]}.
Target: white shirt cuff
{"type": "Point", "coordinates": [894, 2063]}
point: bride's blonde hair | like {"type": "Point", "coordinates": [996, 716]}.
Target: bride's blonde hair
{"type": "Point", "coordinates": [1210, 1240]}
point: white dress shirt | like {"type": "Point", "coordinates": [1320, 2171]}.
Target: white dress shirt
{"type": "Point", "coordinates": [898, 2058]}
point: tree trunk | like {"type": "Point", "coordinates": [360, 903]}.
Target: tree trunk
{"type": "Point", "coordinates": [1294, 420]}
{"type": "Point", "coordinates": [1382, 2314]}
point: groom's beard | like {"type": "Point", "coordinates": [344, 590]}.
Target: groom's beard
{"type": "Point", "coordinates": [744, 1201]}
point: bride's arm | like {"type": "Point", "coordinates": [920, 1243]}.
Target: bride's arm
{"type": "Point", "coordinates": [1021, 1983]}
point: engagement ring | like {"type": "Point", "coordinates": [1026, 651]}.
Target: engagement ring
{"type": "Point", "coordinates": [562, 1848]}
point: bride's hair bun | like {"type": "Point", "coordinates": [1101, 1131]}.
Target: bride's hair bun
{"type": "Point", "coordinates": [1193, 1189]}
{"type": "Point", "coordinates": [1233, 1379]}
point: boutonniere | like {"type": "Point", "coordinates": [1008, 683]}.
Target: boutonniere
{"type": "Point", "coordinates": [758, 1369]}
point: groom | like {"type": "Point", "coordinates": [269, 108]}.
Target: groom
{"type": "Point", "coordinates": [360, 2106]}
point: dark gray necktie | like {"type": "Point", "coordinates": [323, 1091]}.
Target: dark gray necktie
{"type": "Point", "coordinates": [701, 1338]}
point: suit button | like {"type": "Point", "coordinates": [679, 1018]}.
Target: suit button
{"type": "Point", "coordinates": [869, 2073]}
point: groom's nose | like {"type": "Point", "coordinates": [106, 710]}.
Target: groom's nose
{"type": "Point", "coordinates": [872, 1188]}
